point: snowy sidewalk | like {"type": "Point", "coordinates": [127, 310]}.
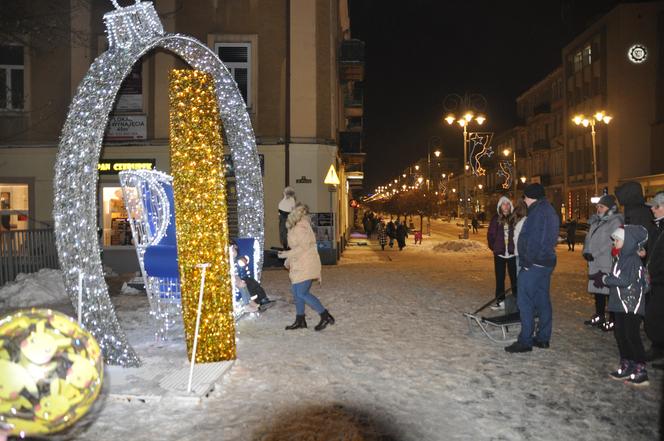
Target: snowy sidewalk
{"type": "Point", "coordinates": [400, 364]}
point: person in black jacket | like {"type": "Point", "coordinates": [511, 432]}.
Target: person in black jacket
{"type": "Point", "coordinates": [401, 234]}
{"type": "Point", "coordinates": [654, 319]}
{"type": "Point", "coordinates": [635, 211]}
{"type": "Point", "coordinates": [571, 234]}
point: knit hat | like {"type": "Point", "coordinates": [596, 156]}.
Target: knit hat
{"type": "Point", "coordinates": [619, 233]}
{"type": "Point", "coordinates": [608, 201]}
{"type": "Point", "coordinates": [534, 191]}
{"type": "Point", "coordinates": [658, 200]}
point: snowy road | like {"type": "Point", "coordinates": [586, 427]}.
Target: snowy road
{"type": "Point", "coordinates": [400, 364]}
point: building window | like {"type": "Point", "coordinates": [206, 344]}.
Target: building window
{"type": "Point", "coordinates": [14, 206]}
{"type": "Point", "coordinates": [587, 56]}
{"type": "Point", "coordinates": [237, 58]}
{"type": "Point", "coordinates": [11, 77]}
{"type": "Point", "coordinates": [578, 61]}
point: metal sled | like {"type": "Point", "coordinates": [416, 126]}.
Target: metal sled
{"type": "Point", "coordinates": [496, 328]}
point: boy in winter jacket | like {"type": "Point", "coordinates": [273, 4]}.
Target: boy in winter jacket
{"type": "Point", "coordinates": [628, 284]}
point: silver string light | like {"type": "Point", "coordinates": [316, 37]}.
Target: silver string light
{"type": "Point", "coordinates": [133, 32]}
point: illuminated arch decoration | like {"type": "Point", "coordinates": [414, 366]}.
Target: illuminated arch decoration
{"type": "Point", "coordinates": [479, 149]}
{"type": "Point", "coordinates": [507, 173]}
{"type": "Point", "coordinates": [133, 32]}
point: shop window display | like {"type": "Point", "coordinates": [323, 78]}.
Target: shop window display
{"type": "Point", "coordinates": [116, 228]}
{"type": "Point", "coordinates": [14, 207]}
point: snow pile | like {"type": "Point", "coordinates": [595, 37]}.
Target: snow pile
{"type": "Point", "coordinates": [41, 288]}
{"type": "Point", "coordinates": [459, 246]}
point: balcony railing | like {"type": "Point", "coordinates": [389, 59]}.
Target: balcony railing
{"type": "Point", "coordinates": [350, 142]}
{"type": "Point", "coordinates": [351, 60]}
{"type": "Point", "coordinates": [541, 144]}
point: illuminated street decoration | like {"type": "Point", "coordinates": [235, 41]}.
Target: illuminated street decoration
{"type": "Point", "coordinates": [479, 149]}
{"type": "Point", "coordinates": [133, 32]}
{"type": "Point", "coordinates": [507, 173]}
{"type": "Point", "coordinates": [637, 54]}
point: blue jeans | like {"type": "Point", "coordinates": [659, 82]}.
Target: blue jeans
{"type": "Point", "coordinates": [246, 297]}
{"type": "Point", "coordinates": [534, 299]}
{"type": "Point", "coordinates": [301, 295]}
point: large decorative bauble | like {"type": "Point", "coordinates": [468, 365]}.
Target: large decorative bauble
{"type": "Point", "coordinates": [51, 371]}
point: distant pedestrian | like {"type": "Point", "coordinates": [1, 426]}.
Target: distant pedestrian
{"type": "Point", "coordinates": [628, 284]}
{"type": "Point", "coordinates": [475, 223]}
{"type": "Point", "coordinates": [391, 231]}
{"type": "Point", "coordinates": [417, 235]}
{"type": "Point", "coordinates": [285, 207]}
{"type": "Point", "coordinates": [537, 256]}
{"type": "Point", "coordinates": [303, 264]}
{"type": "Point", "coordinates": [571, 234]}
{"type": "Point", "coordinates": [381, 233]}
{"type": "Point", "coordinates": [597, 252]}
{"type": "Point", "coordinates": [500, 238]}
{"type": "Point", "coordinates": [401, 235]}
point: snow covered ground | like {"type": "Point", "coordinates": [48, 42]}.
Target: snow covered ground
{"type": "Point", "coordinates": [400, 363]}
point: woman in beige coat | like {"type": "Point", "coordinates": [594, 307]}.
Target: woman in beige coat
{"type": "Point", "coordinates": [303, 264]}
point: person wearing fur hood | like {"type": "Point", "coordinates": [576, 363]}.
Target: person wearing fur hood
{"type": "Point", "coordinates": [286, 205]}
{"type": "Point", "coordinates": [597, 252]}
{"type": "Point", "coordinates": [303, 264]}
{"type": "Point", "coordinates": [500, 238]}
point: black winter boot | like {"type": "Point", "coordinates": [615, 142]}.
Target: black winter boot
{"type": "Point", "coordinates": [300, 322]}
{"type": "Point", "coordinates": [325, 319]}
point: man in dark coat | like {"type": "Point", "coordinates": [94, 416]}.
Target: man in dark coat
{"type": "Point", "coordinates": [402, 234]}
{"type": "Point", "coordinates": [537, 258]}
{"type": "Point", "coordinates": [636, 212]}
{"type": "Point", "coordinates": [654, 319]}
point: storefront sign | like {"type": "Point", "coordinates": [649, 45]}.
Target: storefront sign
{"type": "Point", "coordinates": [303, 180]}
{"type": "Point", "coordinates": [126, 128]}
{"type": "Point", "coordinates": [130, 95]}
{"type": "Point", "coordinates": [115, 166]}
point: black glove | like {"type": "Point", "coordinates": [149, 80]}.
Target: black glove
{"type": "Point", "coordinates": [589, 257]}
{"type": "Point", "coordinates": [597, 279]}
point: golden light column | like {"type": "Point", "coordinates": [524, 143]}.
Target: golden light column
{"type": "Point", "coordinates": [199, 186]}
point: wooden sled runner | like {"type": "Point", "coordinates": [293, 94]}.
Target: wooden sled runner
{"type": "Point", "coordinates": [497, 328]}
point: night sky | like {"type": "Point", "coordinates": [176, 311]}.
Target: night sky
{"type": "Point", "coordinates": [419, 51]}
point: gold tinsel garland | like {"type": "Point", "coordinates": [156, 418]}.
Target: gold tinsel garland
{"type": "Point", "coordinates": [200, 213]}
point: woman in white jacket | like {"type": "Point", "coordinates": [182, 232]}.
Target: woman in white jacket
{"type": "Point", "coordinates": [303, 264]}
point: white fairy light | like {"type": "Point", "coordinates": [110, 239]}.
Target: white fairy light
{"type": "Point", "coordinates": [133, 32]}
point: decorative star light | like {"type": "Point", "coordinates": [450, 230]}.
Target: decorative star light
{"type": "Point", "coordinates": [479, 149]}
{"type": "Point", "coordinates": [507, 173]}
{"type": "Point", "coordinates": [133, 32]}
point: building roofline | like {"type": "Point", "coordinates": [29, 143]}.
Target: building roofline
{"type": "Point", "coordinates": [556, 71]}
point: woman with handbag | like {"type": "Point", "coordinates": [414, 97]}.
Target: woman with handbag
{"type": "Point", "coordinates": [303, 264]}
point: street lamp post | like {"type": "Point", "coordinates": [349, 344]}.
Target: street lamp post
{"type": "Point", "coordinates": [506, 153]}
{"type": "Point", "coordinates": [463, 122]}
{"type": "Point", "coordinates": [580, 119]}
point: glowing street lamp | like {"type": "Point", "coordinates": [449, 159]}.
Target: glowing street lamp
{"type": "Point", "coordinates": [463, 122]}
{"type": "Point", "coordinates": [580, 119]}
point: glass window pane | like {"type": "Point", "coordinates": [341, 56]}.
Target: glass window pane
{"type": "Point", "coordinates": [11, 55]}
{"type": "Point", "coordinates": [17, 88]}
{"type": "Point", "coordinates": [3, 89]}
{"type": "Point", "coordinates": [233, 54]}
{"type": "Point", "coordinates": [241, 80]}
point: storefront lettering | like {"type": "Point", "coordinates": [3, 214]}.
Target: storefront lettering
{"type": "Point", "coordinates": [114, 167]}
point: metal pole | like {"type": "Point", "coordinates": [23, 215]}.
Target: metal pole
{"type": "Point", "coordinates": [514, 174]}
{"type": "Point", "coordinates": [465, 182]}
{"type": "Point", "coordinates": [592, 133]}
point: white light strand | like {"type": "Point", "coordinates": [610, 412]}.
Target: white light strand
{"type": "Point", "coordinates": [132, 33]}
